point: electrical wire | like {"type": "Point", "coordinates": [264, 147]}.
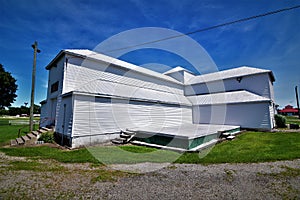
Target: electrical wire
{"type": "Point", "coordinates": [209, 28]}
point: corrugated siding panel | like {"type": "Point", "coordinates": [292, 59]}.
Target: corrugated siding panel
{"type": "Point", "coordinates": [96, 116]}
{"type": "Point", "coordinates": [64, 116]}
{"type": "Point", "coordinates": [271, 88]}
{"type": "Point", "coordinates": [272, 113]}
{"type": "Point", "coordinates": [91, 55]}
{"type": "Point", "coordinates": [236, 72]}
{"type": "Point", "coordinates": [77, 77]}
{"type": "Point", "coordinates": [44, 121]}
{"type": "Point", "coordinates": [58, 117]}
{"type": "Point", "coordinates": [124, 90]}
{"type": "Point", "coordinates": [251, 115]}
{"type": "Point", "coordinates": [257, 84]}
{"type": "Point", "coordinates": [226, 98]}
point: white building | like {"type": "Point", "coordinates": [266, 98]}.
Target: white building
{"type": "Point", "coordinates": [92, 97]}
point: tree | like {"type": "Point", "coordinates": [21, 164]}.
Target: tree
{"type": "Point", "coordinates": [36, 109]}
{"type": "Point", "coordinates": [8, 88]}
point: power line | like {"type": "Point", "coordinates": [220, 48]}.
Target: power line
{"type": "Point", "coordinates": [210, 28]}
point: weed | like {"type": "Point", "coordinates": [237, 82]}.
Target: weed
{"type": "Point", "coordinates": [108, 175]}
{"type": "Point", "coordinates": [229, 175]}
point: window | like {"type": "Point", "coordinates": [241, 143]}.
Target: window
{"type": "Point", "coordinates": [54, 87]}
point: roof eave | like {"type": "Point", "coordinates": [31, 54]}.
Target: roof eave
{"type": "Point", "coordinates": [61, 54]}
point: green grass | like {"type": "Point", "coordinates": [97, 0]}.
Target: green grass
{"type": "Point", "coordinates": [104, 175]}
{"type": "Point", "coordinates": [10, 132]}
{"type": "Point", "coordinates": [31, 166]}
{"type": "Point", "coordinates": [251, 147]}
{"type": "Point", "coordinates": [132, 154]}
{"type": "Point", "coordinates": [292, 120]}
{"type": "Point", "coordinates": [247, 147]}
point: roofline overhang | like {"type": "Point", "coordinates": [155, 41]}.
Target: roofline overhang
{"type": "Point", "coordinates": [63, 52]}
{"type": "Point", "coordinates": [270, 73]}
{"type": "Point", "coordinates": [121, 97]}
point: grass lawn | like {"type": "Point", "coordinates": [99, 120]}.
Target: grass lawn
{"type": "Point", "coordinates": [247, 147]}
{"type": "Point", "coordinates": [8, 132]}
{"type": "Point", "coordinates": [251, 147]}
{"type": "Point", "coordinates": [292, 120]}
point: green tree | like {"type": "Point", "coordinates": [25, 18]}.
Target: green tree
{"type": "Point", "coordinates": [36, 109]}
{"type": "Point", "coordinates": [8, 88]}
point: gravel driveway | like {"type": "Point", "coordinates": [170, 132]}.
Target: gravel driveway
{"type": "Point", "coordinates": [276, 180]}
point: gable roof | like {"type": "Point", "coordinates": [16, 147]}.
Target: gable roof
{"type": "Point", "coordinates": [178, 69]}
{"type": "Point", "coordinates": [230, 73]}
{"type": "Point", "coordinates": [88, 54]}
{"type": "Point", "coordinates": [227, 98]}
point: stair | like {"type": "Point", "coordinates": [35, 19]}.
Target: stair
{"type": "Point", "coordinates": [119, 141]}
{"type": "Point", "coordinates": [30, 138]}
{"type": "Point", "coordinates": [231, 137]}
{"type": "Point", "coordinates": [20, 141]}
{"type": "Point", "coordinates": [124, 138]}
{"type": "Point", "coordinates": [26, 139]}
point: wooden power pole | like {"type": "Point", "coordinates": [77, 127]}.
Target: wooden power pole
{"type": "Point", "coordinates": [35, 51]}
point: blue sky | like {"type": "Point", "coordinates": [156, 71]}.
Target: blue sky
{"type": "Point", "coordinates": [271, 42]}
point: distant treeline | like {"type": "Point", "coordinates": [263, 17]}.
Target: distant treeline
{"type": "Point", "coordinates": [23, 110]}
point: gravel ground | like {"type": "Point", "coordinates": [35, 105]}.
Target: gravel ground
{"type": "Point", "coordinates": [276, 180]}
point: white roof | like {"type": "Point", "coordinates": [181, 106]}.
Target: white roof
{"type": "Point", "coordinates": [226, 98]}
{"type": "Point", "coordinates": [184, 130]}
{"type": "Point", "coordinates": [85, 53]}
{"type": "Point", "coordinates": [231, 73]}
{"type": "Point", "coordinates": [177, 69]}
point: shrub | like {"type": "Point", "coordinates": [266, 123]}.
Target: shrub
{"type": "Point", "coordinates": [280, 121]}
{"type": "Point", "coordinates": [47, 137]}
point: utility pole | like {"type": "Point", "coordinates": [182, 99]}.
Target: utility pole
{"type": "Point", "coordinates": [297, 100]}
{"type": "Point", "coordinates": [35, 51]}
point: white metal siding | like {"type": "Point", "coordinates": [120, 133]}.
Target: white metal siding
{"type": "Point", "coordinates": [65, 116]}
{"type": "Point", "coordinates": [272, 113]}
{"type": "Point", "coordinates": [56, 74]}
{"type": "Point", "coordinates": [247, 115]}
{"type": "Point", "coordinates": [271, 88]}
{"type": "Point", "coordinates": [226, 98]}
{"type": "Point", "coordinates": [97, 115]}
{"type": "Point", "coordinates": [52, 110]}
{"type": "Point", "coordinates": [78, 77]}
{"type": "Point", "coordinates": [230, 73]}
{"type": "Point", "coordinates": [44, 121]}
{"type": "Point", "coordinates": [257, 84]}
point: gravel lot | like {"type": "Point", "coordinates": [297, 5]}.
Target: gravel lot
{"type": "Point", "coordinates": [276, 180]}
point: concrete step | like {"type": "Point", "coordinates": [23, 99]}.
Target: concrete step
{"type": "Point", "coordinates": [13, 142]}
{"type": "Point", "coordinates": [41, 131]}
{"type": "Point", "coordinates": [231, 137]}
{"type": "Point", "coordinates": [31, 136]}
{"type": "Point", "coordinates": [46, 129]}
{"type": "Point", "coordinates": [128, 132]}
{"type": "Point", "coordinates": [20, 141]}
{"type": "Point", "coordinates": [119, 141]}
{"type": "Point", "coordinates": [124, 135]}
{"type": "Point", "coordinates": [225, 134]}
{"type": "Point", "coordinates": [35, 133]}
{"type": "Point", "coordinates": [26, 139]}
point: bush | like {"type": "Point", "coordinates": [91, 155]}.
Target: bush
{"type": "Point", "coordinates": [47, 137]}
{"type": "Point", "coordinates": [280, 121]}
